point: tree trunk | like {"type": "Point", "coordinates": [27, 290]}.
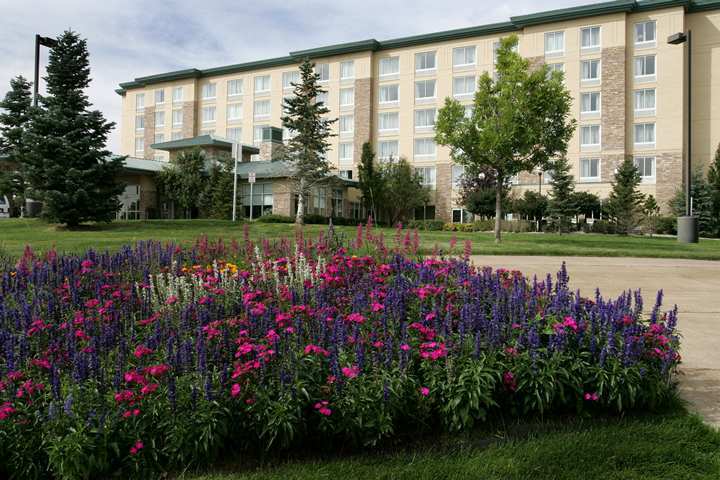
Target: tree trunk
{"type": "Point", "coordinates": [498, 207]}
{"type": "Point", "coordinates": [301, 204]}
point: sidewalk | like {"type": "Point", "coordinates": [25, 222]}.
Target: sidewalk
{"type": "Point", "coordinates": [694, 285]}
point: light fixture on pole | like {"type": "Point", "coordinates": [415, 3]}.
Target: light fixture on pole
{"type": "Point", "coordinates": [236, 152]}
{"type": "Point", "coordinates": [45, 42]}
{"type": "Point", "coordinates": [687, 224]}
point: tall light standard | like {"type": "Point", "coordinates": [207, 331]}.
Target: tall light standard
{"type": "Point", "coordinates": [45, 42]}
{"type": "Point", "coordinates": [687, 224]}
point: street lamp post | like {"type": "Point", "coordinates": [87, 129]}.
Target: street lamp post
{"type": "Point", "coordinates": [45, 42]}
{"type": "Point", "coordinates": [687, 224]}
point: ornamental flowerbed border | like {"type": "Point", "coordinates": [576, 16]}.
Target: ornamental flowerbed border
{"type": "Point", "coordinates": [160, 357]}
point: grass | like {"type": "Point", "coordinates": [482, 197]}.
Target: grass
{"type": "Point", "coordinates": [16, 233]}
{"type": "Point", "coordinates": [668, 446]}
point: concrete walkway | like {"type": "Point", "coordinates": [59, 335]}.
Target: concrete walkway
{"type": "Point", "coordinates": [694, 285]}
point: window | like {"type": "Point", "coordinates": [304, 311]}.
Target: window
{"type": "Point", "coordinates": [288, 78]}
{"type": "Point", "coordinates": [590, 38]}
{"type": "Point", "coordinates": [159, 96]}
{"type": "Point", "coordinates": [262, 84]}
{"type": "Point", "coordinates": [424, 61]}
{"type": "Point", "coordinates": [347, 97]}
{"type": "Point", "coordinates": [556, 67]}
{"type": "Point", "coordinates": [590, 136]}
{"type": "Point", "coordinates": [234, 133]}
{"type": "Point", "coordinates": [345, 153]}
{"type": "Point", "coordinates": [645, 100]}
{"type": "Point", "coordinates": [426, 212]}
{"type": "Point", "coordinates": [139, 145]}
{"type": "Point", "coordinates": [319, 199]}
{"type": "Point", "coordinates": [554, 43]}
{"type": "Point", "coordinates": [646, 168]}
{"type": "Point", "coordinates": [463, 56]}
{"type": "Point", "coordinates": [389, 93]}
{"type": "Point", "coordinates": [261, 201]}
{"type": "Point", "coordinates": [208, 114]}
{"type": "Point", "coordinates": [424, 147]}
{"type": "Point", "coordinates": [388, 149]}
{"type": "Point", "coordinates": [347, 123]}
{"type": "Point", "coordinates": [261, 109]}
{"type": "Point", "coordinates": [463, 86]}
{"type": "Point", "coordinates": [425, 119]}
{"type": "Point", "coordinates": [590, 70]}
{"type": "Point", "coordinates": [427, 174]}
{"type": "Point", "coordinates": [457, 174]}
{"type": "Point", "coordinates": [159, 138]}
{"type": "Point", "coordinates": [347, 174]}
{"type": "Point", "coordinates": [337, 203]}
{"type": "Point", "coordinates": [234, 87]}
{"type": "Point", "coordinates": [323, 69]}
{"type": "Point", "coordinates": [590, 102]}
{"type": "Point", "coordinates": [469, 109]}
{"type": "Point", "coordinates": [177, 118]}
{"type": "Point", "coordinates": [177, 94]}
{"type": "Point", "coordinates": [389, 66]}
{"type": "Point", "coordinates": [258, 133]}
{"type": "Point", "coordinates": [208, 91]}
{"type": "Point", "coordinates": [347, 70]}
{"type": "Point", "coordinates": [460, 215]}
{"type": "Point", "coordinates": [234, 111]}
{"type": "Point", "coordinates": [139, 101]}
{"type": "Point", "coordinates": [645, 33]}
{"type": "Point", "coordinates": [590, 169]}
{"type": "Point", "coordinates": [645, 66]}
{"type": "Point", "coordinates": [159, 119]}
{"type": "Point", "coordinates": [425, 89]}
{"type": "Point", "coordinates": [388, 121]}
{"type": "Point", "coordinates": [139, 122]}
{"type": "Point", "coordinates": [644, 134]}
{"type": "Point", "coordinates": [176, 135]}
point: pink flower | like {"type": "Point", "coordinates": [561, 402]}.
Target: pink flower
{"type": "Point", "coordinates": [424, 391]}
{"type": "Point", "coordinates": [404, 347]}
{"type": "Point", "coordinates": [149, 388]}
{"type": "Point", "coordinates": [171, 300]}
{"type": "Point", "coordinates": [158, 370]}
{"type": "Point", "coordinates": [356, 318]}
{"type": "Point", "coordinates": [141, 351]}
{"type": "Point", "coordinates": [591, 397]}
{"type": "Point", "coordinates": [509, 381]}
{"type": "Point", "coordinates": [136, 448]}
{"type": "Point", "coordinates": [377, 307]}
{"type": "Point", "coordinates": [351, 372]}
{"type": "Point", "coordinates": [322, 408]}
{"type": "Point", "coordinates": [235, 390]}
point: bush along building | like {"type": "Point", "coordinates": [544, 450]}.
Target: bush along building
{"type": "Point", "coordinates": [628, 83]}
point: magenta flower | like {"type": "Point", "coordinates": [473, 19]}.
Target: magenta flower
{"type": "Point", "coordinates": [424, 391]}
{"type": "Point", "coordinates": [351, 372]}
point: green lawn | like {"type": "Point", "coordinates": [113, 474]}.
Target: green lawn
{"type": "Point", "coordinates": [671, 446]}
{"type": "Point", "coordinates": [16, 233]}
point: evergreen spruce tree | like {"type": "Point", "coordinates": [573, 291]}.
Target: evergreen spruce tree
{"type": "Point", "coordinates": [714, 185]}
{"type": "Point", "coordinates": [371, 181]}
{"type": "Point", "coordinates": [625, 202]}
{"type": "Point", "coordinates": [651, 210]}
{"type": "Point", "coordinates": [15, 111]}
{"type": "Point", "coordinates": [702, 203]}
{"type": "Point", "coordinates": [561, 207]}
{"type": "Point", "coordinates": [307, 148]}
{"type": "Point", "coordinates": [68, 166]}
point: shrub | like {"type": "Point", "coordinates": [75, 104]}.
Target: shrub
{"type": "Point", "coordinates": [427, 225]}
{"type": "Point", "coordinates": [274, 218]}
{"type": "Point", "coordinates": [666, 224]}
{"type": "Point", "coordinates": [487, 225]}
{"type": "Point", "coordinates": [158, 357]}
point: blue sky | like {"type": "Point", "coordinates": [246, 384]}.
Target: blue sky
{"type": "Point", "coordinates": [132, 38]}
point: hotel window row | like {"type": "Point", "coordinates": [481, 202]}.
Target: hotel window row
{"type": "Point", "coordinates": [590, 38]}
{"type": "Point", "coordinates": [590, 169]}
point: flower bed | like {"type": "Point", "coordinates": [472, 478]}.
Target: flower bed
{"type": "Point", "coordinates": [159, 357]}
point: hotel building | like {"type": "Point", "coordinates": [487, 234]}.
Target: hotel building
{"type": "Point", "coordinates": [629, 89]}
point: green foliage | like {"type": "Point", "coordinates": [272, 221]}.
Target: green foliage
{"type": "Point", "coordinates": [520, 121]}
{"type": "Point", "coordinates": [561, 207]}
{"type": "Point", "coordinates": [68, 167]}
{"type": "Point", "coordinates": [702, 204]}
{"type": "Point", "coordinates": [308, 146]}
{"type": "Point", "coordinates": [404, 191]}
{"type": "Point", "coordinates": [426, 225]}
{"type": "Point", "coordinates": [625, 202]}
{"type": "Point", "coordinates": [532, 205]}
{"type": "Point", "coordinates": [15, 111]}
{"type": "Point", "coordinates": [216, 198]}
{"type": "Point", "coordinates": [478, 192]}
{"type": "Point", "coordinates": [714, 187]}
{"type": "Point", "coordinates": [183, 180]}
{"type": "Point", "coordinates": [651, 210]}
{"type": "Point", "coordinates": [371, 181]}
{"type": "Point", "coordinates": [586, 204]}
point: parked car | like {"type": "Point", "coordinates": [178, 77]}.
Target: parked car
{"type": "Point", "coordinates": [4, 207]}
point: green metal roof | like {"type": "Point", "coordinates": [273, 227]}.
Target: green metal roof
{"type": "Point", "coordinates": [279, 169]}
{"type": "Point", "coordinates": [144, 165]}
{"type": "Point", "coordinates": [202, 141]}
{"type": "Point", "coordinates": [516, 23]}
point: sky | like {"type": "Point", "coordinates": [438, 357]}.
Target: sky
{"type": "Point", "coordinates": [133, 38]}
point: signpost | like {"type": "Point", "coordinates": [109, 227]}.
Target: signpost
{"type": "Point", "coordinates": [251, 181]}
{"type": "Point", "coordinates": [236, 152]}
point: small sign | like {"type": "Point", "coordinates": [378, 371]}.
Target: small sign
{"type": "Point", "coordinates": [251, 177]}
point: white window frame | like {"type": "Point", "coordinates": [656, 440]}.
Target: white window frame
{"type": "Point", "coordinates": [645, 43]}
{"type": "Point", "coordinates": [424, 140]}
{"type": "Point", "coordinates": [161, 92]}
{"type": "Point", "coordinates": [175, 97]}
{"type": "Point", "coordinates": [344, 148]}
{"type": "Point", "coordinates": [591, 146]}
{"type": "Point", "coordinates": [635, 136]}
{"type": "Point", "coordinates": [644, 158]}
{"type": "Point", "coordinates": [465, 49]}
{"type": "Point", "coordinates": [292, 76]}
{"type": "Point", "coordinates": [160, 116]}
{"type": "Point", "coordinates": [424, 55]}
{"type": "Point", "coordinates": [231, 137]}
{"type": "Point", "coordinates": [389, 61]}
{"type": "Point", "coordinates": [640, 112]}
{"type": "Point", "coordinates": [206, 91]}
{"type": "Point", "coordinates": [344, 67]}
{"type": "Point", "coordinates": [384, 115]}
{"type": "Point", "coordinates": [343, 122]}
{"type": "Point", "coordinates": [590, 112]}
{"type": "Point", "coordinates": [395, 86]}
{"type": "Point", "coordinates": [558, 52]}
{"type": "Point", "coordinates": [235, 82]}
{"type": "Point", "coordinates": [139, 102]}
{"type": "Point", "coordinates": [645, 76]}
{"type": "Point", "coordinates": [395, 154]}
{"type": "Point", "coordinates": [323, 69]}
{"type": "Point", "coordinates": [210, 108]}
{"type": "Point", "coordinates": [263, 77]}
{"type": "Point", "coordinates": [424, 113]}
{"type": "Point", "coordinates": [591, 81]}
{"type": "Point", "coordinates": [424, 83]}
{"type": "Point", "coordinates": [352, 96]}
{"type": "Point", "coordinates": [140, 122]}
{"type": "Point", "coordinates": [464, 78]}
{"type": "Point", "coordinates": [159, 138]}
{"type": "Point", "coordinates": [140, 150]}
{"type": "Point", "coordinates": [589, 179]}
{"type": "Point", "coordinates": [233, 106]}
{"type": "Point", "coordinates": [591, 48]}
{"type": "Point", "coordinates": [257, 115]}
{"type": "Point", "coordinates": [179, 123]}
{"type": "Point", "coordinates": [428, 175]}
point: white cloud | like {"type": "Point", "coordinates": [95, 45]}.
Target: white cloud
{"type": "Point", "coordinates": [132, 38]}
